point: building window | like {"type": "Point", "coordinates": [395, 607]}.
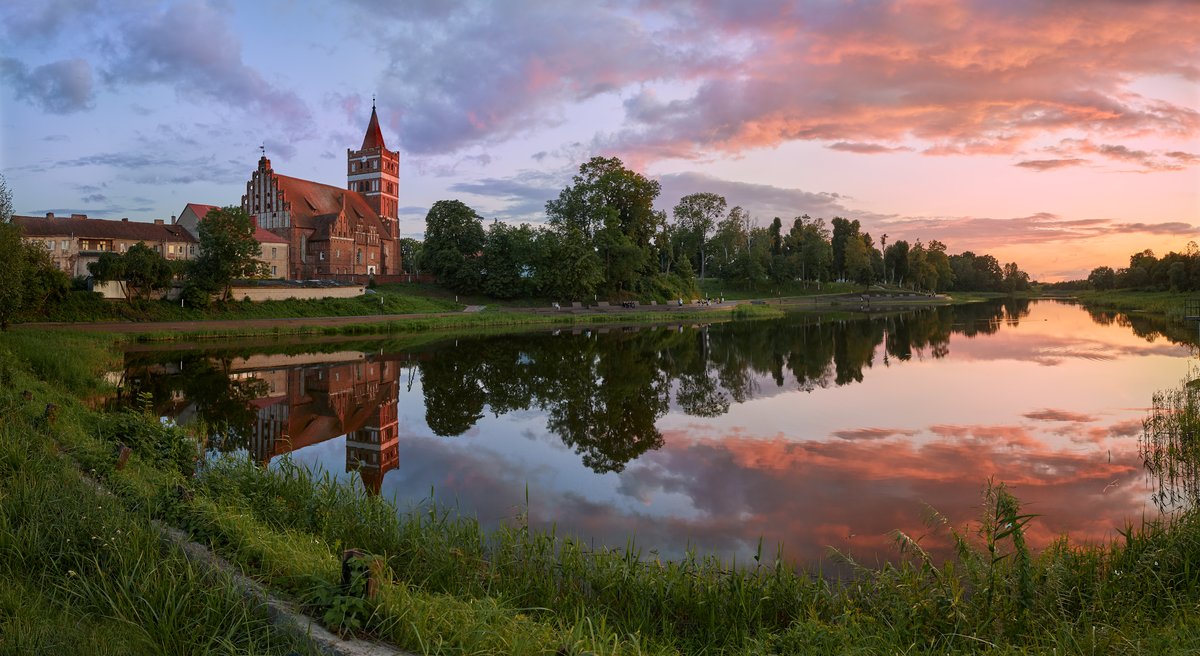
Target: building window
{"type": "Point", "coordinates": [123, 245]}
{"type": "Point", "coordinates": [65, 244]}
{"type": "Point", "coordinates": [50, 244]}
{"type": "Point", "coordinates": [273, 255]}
{"type": "Point", "coordinates": [274, 272]}
{"type": "Point", "coordinates": [322, 255]}
{"type": "Point", "coordinates": [358, 257]}
{"type": "Point", "coordinates": [192, 249]}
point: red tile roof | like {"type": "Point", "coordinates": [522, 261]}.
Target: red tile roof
{"type": "Point", "coordinates": [38, 226]}
{"type": "Point", "coordinates": [374, 136]}
{"type": "Point", "coordinates": [199, 210]}
{"type": "Point", "coordinates": [316, 206]}
{"type": "Point", "coordinates": [265, 236]}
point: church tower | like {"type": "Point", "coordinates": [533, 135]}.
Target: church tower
{"type": "Point", "coordinates": [374, 172]}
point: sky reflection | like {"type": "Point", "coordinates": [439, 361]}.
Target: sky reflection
{"type": "Point", "coordinates": [813, 436]}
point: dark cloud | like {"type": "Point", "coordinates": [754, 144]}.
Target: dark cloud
{"type": "Point", "coordinates": [865, 148]}
{"type": "Point", "coordinates": [871, 433]}
{"type": "Point", "coordinates": [42, 20]}
{"type": "Point", "coordinates": [148, 168]}
{"type": "Point", "coordinates": [61, 87]}
{"type": "Point", "coordinates": [486, 71]}
{"type": "Point", "coordinates": [1050, 164]}
{"type": "Point", "coordinates": [191, 46]}
{"type": "Point", "coordinates": [761, 201]}
{"type": "Point", "coordinates": [1052, 414]}
{"type": "Point", "coordinates": [525, 193]}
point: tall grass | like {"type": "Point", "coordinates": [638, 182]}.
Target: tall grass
{"type": "Point", "coordinates": [82, 574]}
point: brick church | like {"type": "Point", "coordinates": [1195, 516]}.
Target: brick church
{"type": "Point", "coordinates": [335, 233]}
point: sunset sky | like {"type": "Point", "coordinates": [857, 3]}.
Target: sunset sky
{"type": "Point", "coordinates": [1063, 135]}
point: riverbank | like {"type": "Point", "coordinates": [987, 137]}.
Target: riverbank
{"type": "Point", "coordinates": [449, 587]}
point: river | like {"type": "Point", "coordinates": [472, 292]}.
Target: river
{"type": "Point", "coordinates": [817, 432]}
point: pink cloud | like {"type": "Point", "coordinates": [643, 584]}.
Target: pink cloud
{"type": "Point", "coordinates": [963, 78]}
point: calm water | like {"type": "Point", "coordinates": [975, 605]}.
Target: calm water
{"type": "Point", "coordinates": [813, 432]}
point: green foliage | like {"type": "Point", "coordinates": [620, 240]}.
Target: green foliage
{"type": "Point", "coordinates": [453, 248]}
{"type": "Point", "coordinates": [228, 252]}
{"type": "Point", "coordinates": [143, 270]}
{"type": "Point", "coordinates": [30, 284]}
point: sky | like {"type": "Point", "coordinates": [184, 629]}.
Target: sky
{"type": "Point", "coordinates": [1061, 135]}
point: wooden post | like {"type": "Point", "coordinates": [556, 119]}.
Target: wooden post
{"type": "Point", "coordinates": [359, 563]}
{"type": "Point", "coordinates": [123, 453]}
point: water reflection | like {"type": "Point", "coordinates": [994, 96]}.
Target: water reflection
{"type": "Point", "coordinates": [812, 430]}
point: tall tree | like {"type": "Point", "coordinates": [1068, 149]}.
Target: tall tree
{"type": "Point", "coordinates": [697, 215]}
{"type": "Point", "coordinates": [453, 248]}
{"type": "Point", "coordinates": [228, 252]}
{"type": "Point", "coordinates": [844, 231]}
{"type": "Point", "coordinates": [614, 208]}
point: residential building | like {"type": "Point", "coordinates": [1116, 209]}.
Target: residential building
{"type": "Point", "coordinates": [74, 242]}
{"type": "Point", "coordinates": [274, 248]}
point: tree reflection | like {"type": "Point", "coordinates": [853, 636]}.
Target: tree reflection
{"type": "Point", "coordinates": [602, 392]}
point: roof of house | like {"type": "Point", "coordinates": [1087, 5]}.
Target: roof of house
{"type": "Point", "coordinates": [374, 136]}
{"type": "Point", "coordinates": [265, 236]}
{"type": "Point", "coordinates": [39, 226]}
{"type": "Point", "coordinates": [317, 206]}
{"type": "Point", "coordinates": [199, 210]}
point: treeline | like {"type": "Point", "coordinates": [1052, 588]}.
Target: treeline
{"type": "Point", "coordinates": [603, 237]}
{"type": "Point", "coordinates": [1174, 271]}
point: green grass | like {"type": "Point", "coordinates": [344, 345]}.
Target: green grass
{"type": "Point", "coordinates": [713, 288]}
{"type": "Point", "coordinates": [396, 299]}
{"type": "Point", "coordinates": [1169, 304]}
{"type": "Point", "coordinates": [84, 573]}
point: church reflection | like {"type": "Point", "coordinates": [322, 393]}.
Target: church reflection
{"type": "Point", "coordinates": [271, 405]}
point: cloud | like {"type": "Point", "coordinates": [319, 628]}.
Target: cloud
{"type": "Point", "coordinates": [871, 433]}
{"type": "Point", "coordinates": [192, 47]}
{"type": "Point", "coordinates": [1050, 164]}
{"type": "Point", "coordinates": [760, 200]}
{"type": "Point", "coordinates": [61, 87]}
{"type": "Point", "coordinates": [43, 20]}
{"type": "Point", "coordinates": [970, 233]}
{"type": "Point", "coordinates": [967, 79]}
{"type": "Point", "coordinates": [865, 148]}
{"type": "Point", "coordinates": [485, 72]}
{"type": "Point", "coordinates": [525, 193]}
{"type": "Point", "coordinates": [1051, 414]}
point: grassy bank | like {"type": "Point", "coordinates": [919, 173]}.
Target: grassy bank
{"type": "Point", "coordinates": [88, 307]}
{"type": "Point", "coordinates": [71, 575]}
{"type": "Point", "coordinates": [82, 572]}
{"type": "Point", "coordinates": [1170, 304]}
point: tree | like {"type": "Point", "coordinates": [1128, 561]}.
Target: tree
{"type": "Point", "coordinates": [1103, 278]}
{"type": "Point", "coordinates": [696, 215]}
{"type": "Point", "coordinates": [453, 248]}
{"type": "Point", "coordinates": [613, 208]}
{"type": "Point", "coordinates": [228, 252]}
{"type": "Point", "coordinates": [28, 279]}
{"type": "Point", "coordinates": [895, 262]}
{"type": "Point", "coordinates": [507, 260]}
{"type": "Point", "coordinates": [410, 254]}
{"type": "Point", "coordinates": [143, 270]}
{"type": "Point", "coordinates": [843, 231]}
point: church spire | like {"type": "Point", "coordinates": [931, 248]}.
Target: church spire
{"type": "Point", "coordinates": [374, 136]}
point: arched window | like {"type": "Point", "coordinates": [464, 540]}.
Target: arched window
{"type": "Point", "coordinates": [358, 258]}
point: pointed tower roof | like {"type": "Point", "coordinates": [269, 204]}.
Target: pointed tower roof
{"type": "Point", "coordinates": [374, 136]}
